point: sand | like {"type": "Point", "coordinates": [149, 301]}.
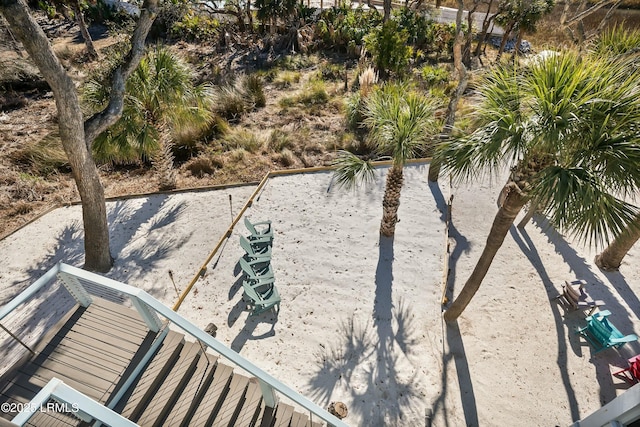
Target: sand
{"type": "Point", "coordinates": [361, 318]}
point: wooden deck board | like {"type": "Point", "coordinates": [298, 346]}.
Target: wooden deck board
{"type": "Point", "coordinates": [193, 391]}
{"type": "Point", "coordinates": [211, 401]}
{"type": "Point", "coordinates": [157, 368]}
{"type": "Point", "coordinates": [171, 387]}
{"type": "Point", "coordinates": [283, 415]}
{"type": "Point", "coordinates": [232, 402]}
{"type": "Point", "coordinates": [251, 406]}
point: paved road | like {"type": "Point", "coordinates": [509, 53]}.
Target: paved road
{"type": "Point", "coordinates": [448, 14]}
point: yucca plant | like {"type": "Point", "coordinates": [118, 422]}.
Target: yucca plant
{"type": "Point", "coordinates": [618, 40]}
{"type": "Point", "coordinates": [161, 101]}
{"type": "Point", "coordinates": [401, 122]}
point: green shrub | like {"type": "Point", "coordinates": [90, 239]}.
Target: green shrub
{"type": "Point", "coordinates": [433, 76]}
{"type": "Point", "coordinates": [340, 26]}
{"type": "Point", "coordinates": [389, 48]}
{"type": "Point", "coordinates": [354, 105]}
{"type": "Point", "coordinates": [618, 40]}
{"type": "Point", "coordinates": [195, 27]}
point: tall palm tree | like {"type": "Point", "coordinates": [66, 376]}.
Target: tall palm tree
{"type": "Point", "coordinates": [611, 257]}
{"type": "Point", "coordinates": [401, 122]}
{"type": "Point", "coordinates": [161, 103]}
{"type": "Point", "coordinates": [567, 128]}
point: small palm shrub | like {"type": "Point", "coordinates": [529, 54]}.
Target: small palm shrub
{"type": "Point", "coordinates": [160, 98]}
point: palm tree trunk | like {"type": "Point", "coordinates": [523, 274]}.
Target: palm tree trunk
{"type": "Point", "coordinates": [534, 206]}
{"type": "Point", "coordinates": [611, 257]}
{"type": "Point", "coordinates": [505, 217]}
{"type": "Point", "coordinates": [391, 201]}
{"type": "Point", "coordinates": [163, 161]}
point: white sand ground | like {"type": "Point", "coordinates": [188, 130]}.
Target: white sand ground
{"type": "Point", "coordinates": [360, 319]}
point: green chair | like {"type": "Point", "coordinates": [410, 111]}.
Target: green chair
{"type": "Point", "coordinates": [255, 250]}
{"type": "Point", "coordinates": [257, 269]}
{"type": "Point", "coordinates": [264, 230]}
{"type": "Point", "coordinates": [263, 295]}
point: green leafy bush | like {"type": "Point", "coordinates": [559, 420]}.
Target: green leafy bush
{"type": "Point", "coordinates": [340, 26]}
{"type": "Point", "coordinates": [195, 27]}
{"type": "Point", "coordinates": [389, 48]}
{"type": "Point", "coordinates": [433, 76]}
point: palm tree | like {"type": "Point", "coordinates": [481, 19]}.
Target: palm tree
{"type": "Point", "coordinates": [161, 103]}
{"type": "Point", "coordinates": [567, 127]}
{"type": "Point", "coordinates": [611, 257]}
{"type": "Point", "coordinates": [401, 122]}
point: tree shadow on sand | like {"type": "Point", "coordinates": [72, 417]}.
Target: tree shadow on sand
{"type": "Point", "coordinates": [386, 394]}
{"type": "Point", "coordinates": [125, 223]}
{"type": "Point", "coordinates": [460, 243]}
{"type": "Point", "coordinates": [571, 322]}
{"type": "Point", "coordinates": [599, 291]}
{"type": "Point", "coordinates": [454, 350]}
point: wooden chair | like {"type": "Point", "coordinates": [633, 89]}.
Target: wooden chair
{"type": "Point", "coordinates": [602, 334]}
{"type": "Point", "coordinates": [630, 374]}
{"type": "Point", "coordinates": [575, 297]}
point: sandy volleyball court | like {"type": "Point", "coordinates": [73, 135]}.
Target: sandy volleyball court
{"type": "Point", "coordinates": [360, 318]}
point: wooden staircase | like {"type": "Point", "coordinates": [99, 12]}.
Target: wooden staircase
{"type": "Point", "coordinates": [182, 385]}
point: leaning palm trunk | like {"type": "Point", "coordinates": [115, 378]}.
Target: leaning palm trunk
{"type": "Point", "coordinates": [391, 201]}
{"type": "Point", "coordinates": [163, 162]}
{"type": "Point", "coordinates": [611, 257]}
{"type": "Point", "coordinates": [513, 203]}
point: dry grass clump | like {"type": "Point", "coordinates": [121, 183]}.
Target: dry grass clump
{"type": "Point", "coordinates": [366, 80]}
{"type": "Point", "coordinates": [285, 157]}
{"type": "Point", "coordinates": [286, 79]}
{"type": "Point", "coordinates": [201, 166]}
{"type": "Point", "coordinates": [43, 157]}
{"type": "Point", "coordinates": [241, 139]}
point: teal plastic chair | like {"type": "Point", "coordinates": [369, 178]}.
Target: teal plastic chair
{"type": "Point", "coordinates": [257, 269]}
{"type": "Point", "coordinates": [264, 230]}
{"type": "Point", "coordinates": [263, 295]}
{"type": "Point", "coordinates": [255, 250]}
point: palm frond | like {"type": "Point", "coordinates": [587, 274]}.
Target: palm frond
{"type": "Point", "coordinates": [580, 203]}
{"type": "Point", "coordinates": [351, 171]}
{"type": "Point", "coordinates": [401, 120]}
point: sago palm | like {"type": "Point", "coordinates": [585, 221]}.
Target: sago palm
{"type": "Point", "coordinates": [161, 103]}
{"type": "Point", "coordinates": [567, 128]}
{"type": "Point", "coordinates": [401, 122]}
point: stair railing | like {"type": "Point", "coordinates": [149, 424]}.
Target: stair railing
{"type": "Point", "coordinates": [150, 309]}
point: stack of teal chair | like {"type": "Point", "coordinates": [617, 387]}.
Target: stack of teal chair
{"type": "Point", "coordinates": [259, 282]}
